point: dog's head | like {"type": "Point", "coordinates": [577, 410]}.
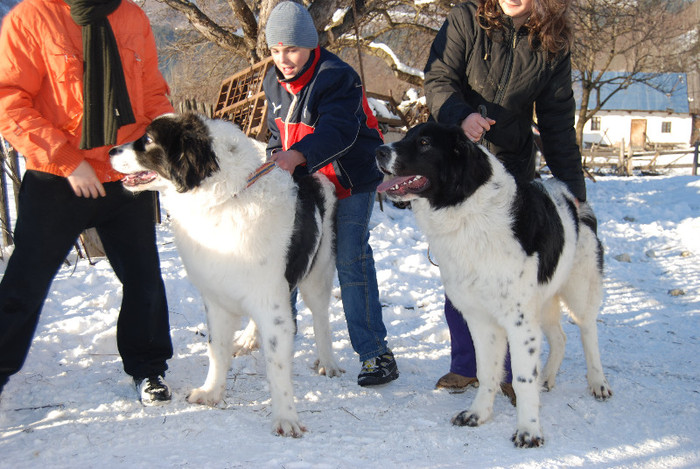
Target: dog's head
{"type": "Point", "coordinates": [435, 162]}
{"type": "Point", "coordinates": [176, 151]}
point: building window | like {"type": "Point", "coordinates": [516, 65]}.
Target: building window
{"type": "Point", "coordinates": [595, 123]}
{"type": "Point", "coordinates": [665, 127]}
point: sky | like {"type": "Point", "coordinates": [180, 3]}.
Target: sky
{"type": "Point", "coordinates": [73, 406]}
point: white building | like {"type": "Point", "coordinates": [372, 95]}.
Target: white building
{"type": "Point", "coordinates": [644, 116]}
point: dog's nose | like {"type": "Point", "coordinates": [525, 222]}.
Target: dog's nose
{"type": "Point", "coordinates": [115, 151]}
{"type": "Point", "coordinates": [383, 153]}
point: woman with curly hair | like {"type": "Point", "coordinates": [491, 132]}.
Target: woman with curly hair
{"type": "Point", "coordinates": [494, 67]}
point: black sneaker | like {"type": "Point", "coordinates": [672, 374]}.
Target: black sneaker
{"type": "Point", "coordinates": [153, 390]}
{"type": "Point", "coordinates": [378, 370]}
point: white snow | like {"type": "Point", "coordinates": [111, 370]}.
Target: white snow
{"type": "Point", "coordinates": [73, 406]}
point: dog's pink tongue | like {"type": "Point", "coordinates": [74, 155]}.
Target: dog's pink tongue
{"type": "Point", "coordinates": [383, 187]}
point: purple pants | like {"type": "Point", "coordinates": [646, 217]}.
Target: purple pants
{"type": "Point", "coordinates": [463, 356]}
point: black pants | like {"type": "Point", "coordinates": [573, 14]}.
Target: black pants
{"type": "Point", "coordinates": [50, 219]}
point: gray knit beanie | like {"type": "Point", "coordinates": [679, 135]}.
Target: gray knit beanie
{"type": "Point", "coordinates": [290, 24]}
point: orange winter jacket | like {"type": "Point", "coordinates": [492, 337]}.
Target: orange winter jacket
{"type": "Point", "coordinates": [41, 84]}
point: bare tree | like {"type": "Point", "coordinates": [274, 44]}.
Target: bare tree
{"type": "Point", "coordinates": [610, 35]}
{"type": "Point", "coordinates": [631, 37]}
{"type": "Point", "coordinates": [237, 27]}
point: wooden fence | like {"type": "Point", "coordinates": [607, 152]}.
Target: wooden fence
{"type": "Point", "coordinates": [648, 162]}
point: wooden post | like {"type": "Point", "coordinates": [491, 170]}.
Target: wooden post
{"type": "Point", "coordinates": [4, 207]}
{"type": "Point", "coordinates": [92, 244]}
{"type": "Point", "coordinates": [695, 159]}
{"type": "Point", "coordinates": [621, 158]}
{"type": "Point", "coordinates": [8, 159]}
{"type": "Point", "coordinates": [628, 165]}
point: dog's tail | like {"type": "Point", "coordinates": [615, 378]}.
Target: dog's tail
{"type": "Point", "coordinates": [588, 221]}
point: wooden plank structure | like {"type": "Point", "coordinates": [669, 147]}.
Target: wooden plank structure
{"type": "Point", "coordinates": [242, 100]}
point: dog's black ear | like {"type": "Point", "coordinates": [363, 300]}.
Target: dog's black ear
{"type": "Point", "coordinates": [460, 142]}
{"type": "Point", "coordinates": [465, 170]}
{"type": "Point", "coordinates": [197, 159]}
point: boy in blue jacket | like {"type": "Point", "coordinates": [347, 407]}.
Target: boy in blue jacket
{"type": "Point", "coordinates": [320, 121]}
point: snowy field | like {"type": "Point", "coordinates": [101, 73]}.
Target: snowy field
{"type": "Point", "coordinates": [72, 406]}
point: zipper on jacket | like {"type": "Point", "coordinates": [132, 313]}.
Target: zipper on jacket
{"type": "Point", "coordinates": [505, 78]}
{"type": "Point", "coordinates": [507, 73]}
{"type": "Point", "coordinates": [286, 121]}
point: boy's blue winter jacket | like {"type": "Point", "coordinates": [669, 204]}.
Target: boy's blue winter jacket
{"type": "Point", "coordinates": [323, 113]}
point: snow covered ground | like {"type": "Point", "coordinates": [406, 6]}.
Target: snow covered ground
{"type": "Point", "coordinates": [73, 406]}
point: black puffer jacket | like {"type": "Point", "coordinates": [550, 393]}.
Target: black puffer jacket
{"type": "Point", "coordinates": [466, 69]}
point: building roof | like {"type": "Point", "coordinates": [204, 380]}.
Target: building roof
{"type": "Point", "coordinates": [665, 92]}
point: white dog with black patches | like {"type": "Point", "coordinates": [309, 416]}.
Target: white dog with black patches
{"type": "Point", "coordinates": [245, 240]}
{"type": "Point", "coordinates": [508, 253]}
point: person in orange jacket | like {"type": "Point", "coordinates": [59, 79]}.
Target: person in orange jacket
{"type": "Point", "coordinates": [77, 77]}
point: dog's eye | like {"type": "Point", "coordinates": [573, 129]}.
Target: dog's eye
{"type": "Point", "coordinates": [424, 141]}
{"type": "Point", "coordinates": [147, 139]}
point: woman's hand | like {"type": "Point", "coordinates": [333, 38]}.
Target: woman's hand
{"type": "Point", "coordinates": [474, 126]}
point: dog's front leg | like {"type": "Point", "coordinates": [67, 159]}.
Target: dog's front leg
{"type": "Point", "coordinates": [525, 338]}
{"type": "Point", "coordinates": [277, 336]}
{"type": "Point", "coordinates": [221, 324]}
{"type": "Point", "coordinates": [490, 348]}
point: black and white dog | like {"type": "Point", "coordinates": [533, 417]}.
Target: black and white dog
{"type": "Point", "coordinates": [508, 253]}
{"type": "Point", "coordinates": [245, 239]}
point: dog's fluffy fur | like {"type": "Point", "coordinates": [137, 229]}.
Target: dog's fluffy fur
{"type": "Point", "coordinates": [508, 253]}
{"type": "Point", "coordinates": [244, 248]}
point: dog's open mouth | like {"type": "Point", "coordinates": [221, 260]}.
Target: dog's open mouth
{"type": "Point", "coordinates": [138, 179]}
{"type": "Point", "coordinates": [403, 185]}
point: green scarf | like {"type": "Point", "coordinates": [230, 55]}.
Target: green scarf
{"type": "Point", "coordinates": [106, 104]}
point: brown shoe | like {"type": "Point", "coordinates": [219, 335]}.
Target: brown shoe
{"type": "Point", "coordinates": [456, 383]}
{"type": "Point", "coordinates": [507, 389]}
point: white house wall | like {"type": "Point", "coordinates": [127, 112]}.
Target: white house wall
{"type": "Point", "coordinates": [615, 127]}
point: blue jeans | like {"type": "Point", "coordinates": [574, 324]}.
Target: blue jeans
{"type": "Point", "coordinates": [357, 276]}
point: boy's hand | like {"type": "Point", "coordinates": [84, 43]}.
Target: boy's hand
{"type": "Point", "coordinates": [288, 160]}
{"type": "Point", "coordinates": [85, 183]}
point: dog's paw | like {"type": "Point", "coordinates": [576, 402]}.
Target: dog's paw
{"type": "Point", "coordinates": [204, 397]}
{"type": "Point", "coordinates": [286, 427]}
{"type": "Point", "coordinates": [245, 345]}
{"type": "Point", "coordinates": [548, 385]}
{"type": "Point", "coordinates": [527, 439]}
{"type": "Point", "coordinates": [330, 368]}
{"type": "Point", "coordinates": [601, 391]}
{"type": "Point", "coordinates": [247, 341]}
{"type": "Point", "coordinates": [466, 418]}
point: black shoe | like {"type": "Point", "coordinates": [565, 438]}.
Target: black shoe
{"type": "Point", "coordinates": [378, 370]}
{"type": "Point", "coordinates": [153, 390]}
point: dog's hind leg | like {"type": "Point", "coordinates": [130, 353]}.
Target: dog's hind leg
{"type": "Point", "coordinates": [221, 325]}
{"type": "Point", "coordinates": [316, 291]}
{"type": "Point", "coordinates": [583, 296]}
{"type": "Point", "coordinates": [551, 326]}
{"type": "Point", "coordinates": [490, 348]}
{"type": "Point", "coordinates": [584, 313]}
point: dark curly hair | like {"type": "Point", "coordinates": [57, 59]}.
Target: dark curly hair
{"type": "Point", "coordinates": [548, 25]}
